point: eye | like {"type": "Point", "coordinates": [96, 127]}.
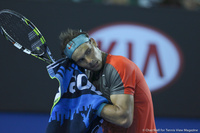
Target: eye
{"type": "Point", "coordinates": [88, 51]}
{"type": "Point", "coordinates": [80, 60]}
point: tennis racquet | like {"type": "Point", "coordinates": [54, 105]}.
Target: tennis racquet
{"type": "Point", "coordinates": [24, 35]}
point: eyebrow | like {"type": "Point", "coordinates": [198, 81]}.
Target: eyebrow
{"type": "Point", "coordinates": [82, 56]}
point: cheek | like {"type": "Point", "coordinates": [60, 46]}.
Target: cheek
{"type": "Point", "coordinates": [83, 65]}
{"type": "Point", "coordinates": [97, 54]}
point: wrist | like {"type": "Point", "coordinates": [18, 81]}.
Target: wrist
{"type": "Point", "coordinates": [98, 113]}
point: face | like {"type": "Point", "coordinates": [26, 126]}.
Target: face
{"type": "Point", "coordinates": [88, 56]}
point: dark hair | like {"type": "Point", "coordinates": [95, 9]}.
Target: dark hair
{"type": "Point", "coordinates": [67, 36]}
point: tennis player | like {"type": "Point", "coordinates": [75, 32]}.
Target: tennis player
{"type": "Point", "coordinates": [130, 109]}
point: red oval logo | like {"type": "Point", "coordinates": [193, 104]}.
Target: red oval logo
{"type": "Point", "coordinates": [155, 53]}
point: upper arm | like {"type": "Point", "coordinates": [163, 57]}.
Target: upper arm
{"type": "Point", "coordinates": [125, 104]}
{"type": "Point", "coordinates": [121, 81]}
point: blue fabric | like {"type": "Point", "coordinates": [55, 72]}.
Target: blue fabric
{"type": "Point", "coordinates": [77, 100]}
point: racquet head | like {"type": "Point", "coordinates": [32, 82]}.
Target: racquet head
{"type": "Point", "coordinates": [24, 35]}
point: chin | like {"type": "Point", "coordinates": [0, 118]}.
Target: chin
{"type": "Point", "coordinates": [98, 68]}
{"type": "Point", "coordinates": [94, 69]}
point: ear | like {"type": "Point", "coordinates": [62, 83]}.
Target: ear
{"type": "Point", "coordinates": [93, 42]}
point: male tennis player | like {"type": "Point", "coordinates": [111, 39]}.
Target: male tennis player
{"type": "Point", "coordinates": [130, 109]}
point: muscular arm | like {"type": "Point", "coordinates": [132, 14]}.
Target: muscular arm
{"type": "Point", "coordinates": [121, 112]}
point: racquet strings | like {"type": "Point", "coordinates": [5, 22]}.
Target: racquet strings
{"type": "Point", "coordinates": [16, 27]}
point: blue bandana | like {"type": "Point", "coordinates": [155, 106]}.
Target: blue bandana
{"type": "Point", "coordinates": [74, 44]}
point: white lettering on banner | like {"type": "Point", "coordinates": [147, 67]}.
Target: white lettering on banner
{"type": "Point", "coordinates": [81, 83]}
{"type": "Point", "coordinates": [158, 57]}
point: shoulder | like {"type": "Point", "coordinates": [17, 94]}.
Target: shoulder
{"type": "Point", "coordinates": [119, 68]}
{"type": "Point", "coordinates": [120, 63]}
{"type": "Point", "coordinates": [120, 74]}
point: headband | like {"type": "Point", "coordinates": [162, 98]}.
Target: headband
{"type": "Point", "coordinates": [74, 44]}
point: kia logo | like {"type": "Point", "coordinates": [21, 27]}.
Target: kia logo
{"type": "Point", "coordinates": [154, 52]}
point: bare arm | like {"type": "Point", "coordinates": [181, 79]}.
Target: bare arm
{"type": "Point", "coordinates": [121, 112]}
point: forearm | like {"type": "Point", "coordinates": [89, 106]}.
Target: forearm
{"type": "Point", "coordinates": [116, 115]}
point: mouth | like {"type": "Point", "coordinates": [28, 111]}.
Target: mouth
{"type": "Point", "coordinates": [95, 64]}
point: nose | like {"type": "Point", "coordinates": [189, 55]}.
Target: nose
{"type": "Point", "coordinates": [89, 60]}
